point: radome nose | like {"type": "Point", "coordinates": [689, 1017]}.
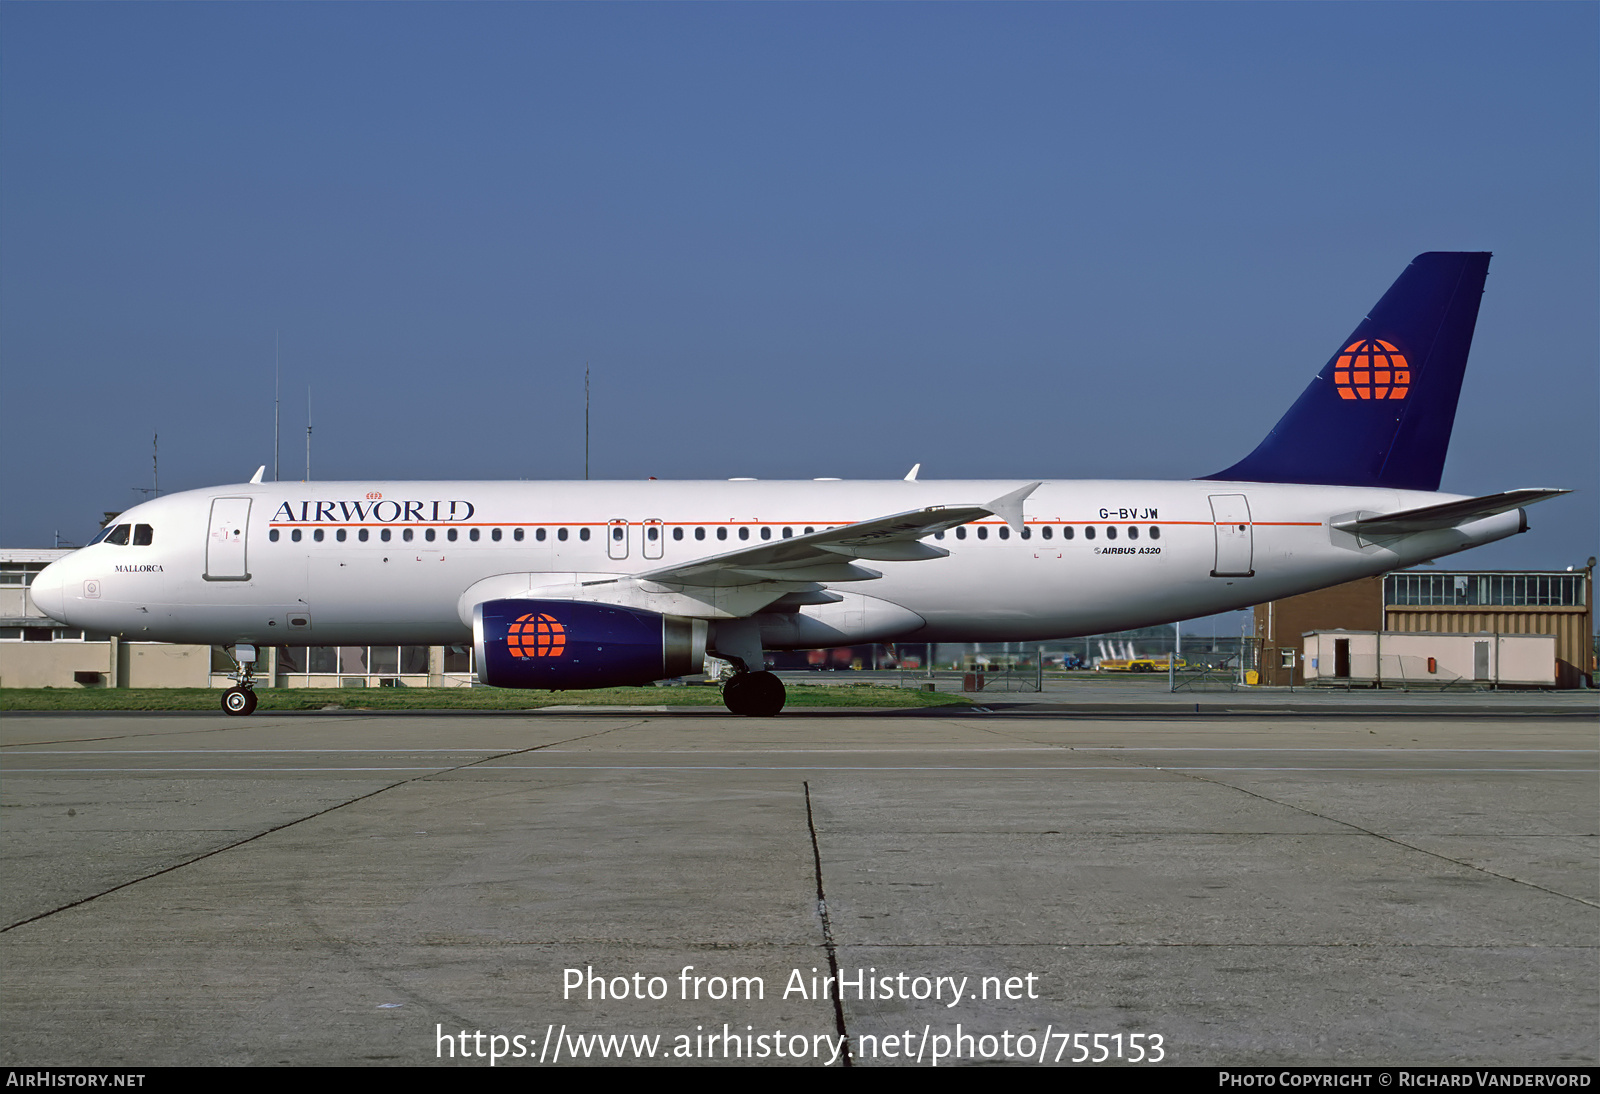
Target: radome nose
{"type": "Point", "coordinates": [47, 592]}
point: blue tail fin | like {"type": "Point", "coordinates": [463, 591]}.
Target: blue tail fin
{"type": "Point", "coordinates": [1380, 411]}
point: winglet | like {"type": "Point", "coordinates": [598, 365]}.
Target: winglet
{"type": "Point", "coordinates": [911, 476]}
{"type": "Point", "coordinates": [262, 470]}
{"type": "Point", "coordinates": [1009, 507]}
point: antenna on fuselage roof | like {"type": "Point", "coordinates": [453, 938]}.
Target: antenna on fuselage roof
{"type": "Point", "coordinates": [586, 421]}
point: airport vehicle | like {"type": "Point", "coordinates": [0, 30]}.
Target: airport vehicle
{"type": "Point", "coordinates": [1139, 664]}
{"type": "Point", "coordinates": [590, 584]}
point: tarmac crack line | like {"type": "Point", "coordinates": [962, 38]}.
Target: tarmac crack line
{"type": "Point", "coordinates": [314, 816]}
{"type": "Point", "coordinates": [1375, 835]}
{"type": "Point", "coordinates": [827, 931]}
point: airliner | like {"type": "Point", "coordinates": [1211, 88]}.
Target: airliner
{"type": "Point", "coordinates": [598, 584]}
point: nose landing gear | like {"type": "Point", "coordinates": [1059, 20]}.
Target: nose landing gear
{"type": "Point", "coordinates": [756, 694]}
{"type": "Point", "coordinates": [240, 699]}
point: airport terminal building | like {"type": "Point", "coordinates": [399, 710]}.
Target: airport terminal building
{"type": "Point", "coordinates": [1462, 611]}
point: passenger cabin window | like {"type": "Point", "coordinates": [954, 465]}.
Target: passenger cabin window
{"type": "Point", "coordinates": [1005, 533]}
{"type": "Point", "coordinates": [428, 534]}
{"type": "Point", "coordinates": [788, 533]}
{"type": "Point", "coordinates": [272, 535]}
{"type": "Point", "coordinates": [317, 535]}
{"type": "Point", "coordinates": [583, 533]}
{"type": "Point", "coordinates": [1026, 533]}
{"type": "Point", "coordinates": [1111, 532]}
{"type": "Point", "coordinates": [677, 533]}
{"type": "Point", "coordinates": [961, 533]}
{"type": "Point", "coordinates": [744, 533]}
{"type": "Point", "coordinates": [362, 535]}
{"type": "Point", "coordinates": [722, 533]}
{"type": "Point", "coordinates": [1067, 532]}
{"type": "Point", "coordinates": [341, 535]}
{"type": "Point", "coordinates": [699, 533]}
{"type": "Point", "coordinates": [561, 533]}
{"type": "Point", "coordinates": [495, 535]}
{"type": "Point", "coordinates": [1045, 532]}
{"type": "Point", "coordinates": [295, 535]}
{"type": "Point", "coordinates": [983, 533]}
{"type": "Point", "coordinates": [1133, 533]}
{"type": "Point", "coordinates": [386, 534]}
{"type": "Point", "coordinates": [408, 535]}
{"type": "Point", "coordinates": [1155, 532]}
{"type": "Point", "coordinates": [1088, 532]}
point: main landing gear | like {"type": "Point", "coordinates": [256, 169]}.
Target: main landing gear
{"type": "Point", "coordinates": [240, 699]}
{"type": "Point", "coordinates": [757, 694]}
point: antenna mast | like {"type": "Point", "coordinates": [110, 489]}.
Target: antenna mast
{"type": "Point", "coordinates": [308, 432]}
{"type": "Point", "coordinates": [276, 432]}
{"type": "Point", "coordinates": [586, 421]}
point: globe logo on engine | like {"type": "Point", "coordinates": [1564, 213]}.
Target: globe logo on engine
{"type": "Point", "coordinates": [536, 635]}
{"type": "Point", "coordinates": [1370, 368]}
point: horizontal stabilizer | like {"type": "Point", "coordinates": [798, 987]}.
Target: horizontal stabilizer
{"type": "Point", "coordinates": [1452, 514]}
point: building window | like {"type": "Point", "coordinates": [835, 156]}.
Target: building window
{"type": "Point", "coordinates": [1287, 655]}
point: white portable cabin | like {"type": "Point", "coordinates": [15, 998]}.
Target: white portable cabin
{"type": "Point", "coordinates": [1386, 658]}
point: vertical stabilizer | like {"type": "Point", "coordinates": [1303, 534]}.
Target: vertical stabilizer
{"type": "Point", "coordinates": [1381, 410]}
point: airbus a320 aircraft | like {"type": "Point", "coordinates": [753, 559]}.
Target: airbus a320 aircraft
{"type": "Point", "coordinates": [587, 585]}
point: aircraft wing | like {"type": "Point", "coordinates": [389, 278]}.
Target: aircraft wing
{"type": "Point", "coordinates": [1451, 514]}
{"type": "Point", "coordinates": [832, 553]}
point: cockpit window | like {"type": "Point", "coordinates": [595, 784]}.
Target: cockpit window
{"type": "Point", "coordinates": [118, 535]}
{"type": "Point", "coordinates": [143, 534]}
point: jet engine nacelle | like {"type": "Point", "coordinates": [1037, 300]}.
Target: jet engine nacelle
{"type": "Point", "coordinates": [561, 644]}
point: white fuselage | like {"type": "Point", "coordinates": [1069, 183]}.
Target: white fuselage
{"type": "Point", "coordinates": [308, 563]}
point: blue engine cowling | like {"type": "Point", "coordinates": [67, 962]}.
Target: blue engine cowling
{"type": "Point", "coordinates": [561, 644]}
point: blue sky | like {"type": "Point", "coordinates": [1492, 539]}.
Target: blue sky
{"type": "Point", "coordinates": [790, 240]}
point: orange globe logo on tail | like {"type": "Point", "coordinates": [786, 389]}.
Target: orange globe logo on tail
{"type": "Point", "coordinates": [1371, 368]}
{"type": "Point", "coordinates": [536, 635]}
